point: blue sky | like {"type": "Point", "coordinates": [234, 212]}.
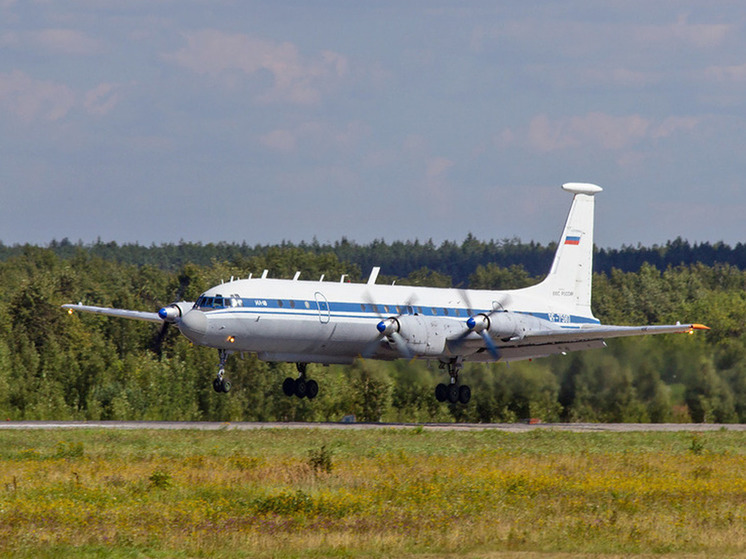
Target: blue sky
{"type": "Point", "coordinates": [155, 121]}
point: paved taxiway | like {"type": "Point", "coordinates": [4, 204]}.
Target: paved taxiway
{"type": "Point", "coordinates": [246, 426]}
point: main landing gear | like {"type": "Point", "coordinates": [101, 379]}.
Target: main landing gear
{"type": "Point", "coordinates": [301, 386]}
{"type": "Point", "coordinates": [221, 384]}
{"type": "Point", "coordinates": [452, 392]}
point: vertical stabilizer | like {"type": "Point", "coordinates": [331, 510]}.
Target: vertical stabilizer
{"type": "Point", "coordinates": [569, 281]}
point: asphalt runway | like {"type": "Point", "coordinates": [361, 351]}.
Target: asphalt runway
{"type": "Point", "coordinates": [246, 426]}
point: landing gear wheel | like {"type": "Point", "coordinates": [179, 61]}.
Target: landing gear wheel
{"type": "Point", "coordinates": [288, 386]}
{"type": "Point", "coordinates": [441, 392]}
{"type": "Point", "coordinates": [312, 389]}
{"type": "Point", "coordinates": [464, 394]}
{"type": "Point", "coordinates": [301, 388]}
{"type": "Point", "coordinates": [452, 392]}
{"type": "Point", "coordinates": [221, 385]}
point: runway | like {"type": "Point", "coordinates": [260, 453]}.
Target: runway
{"type": "Point", "coordinates": [247, 426]}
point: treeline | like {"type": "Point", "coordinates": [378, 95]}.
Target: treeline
{"type": "Point", "coordinates": [456, 260]}
{"type": "Point", "coordinates": [56, 366]}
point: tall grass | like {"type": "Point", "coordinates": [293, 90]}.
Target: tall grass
{"type": "Point", "coordinates": [283, 493]}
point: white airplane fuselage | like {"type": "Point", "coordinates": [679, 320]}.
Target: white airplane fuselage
{"type": "Point", "coordinates": [326, 322]}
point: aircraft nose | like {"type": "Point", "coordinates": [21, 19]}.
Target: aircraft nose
{"type": "Point", "coordinates": [193, 325]}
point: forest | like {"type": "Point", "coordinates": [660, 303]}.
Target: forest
{"type": "Point", "coordinates": [55, 366]}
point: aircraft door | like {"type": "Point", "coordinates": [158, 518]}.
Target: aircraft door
{"type": "Point", "coordinates": [323, 306]}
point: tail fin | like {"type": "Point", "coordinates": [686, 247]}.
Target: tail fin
{"type": "Point", "coordinates": [569, 281]}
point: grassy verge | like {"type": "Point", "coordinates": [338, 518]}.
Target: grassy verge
{"type": "Point", "coordinates": [301, 493]}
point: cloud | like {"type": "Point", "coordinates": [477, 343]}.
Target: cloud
{"type": "Point", "coordinates": [681, 32]}
{"type": "Point", "coordinates": [618, 53]}
{"type": "Point", "coordinates": [102, 98]}
{"type": "Point", "coordinates": [593, 130]}
{"type": "Point", "coordinates": [609, 132]}
{"type": "Point", "coordinates": [436, 186]}
{"type": "Point", "coordinates": [318, 135]}
{"type": "Point", "coordinates": [733, 73]}
{"type": "Point", "coordinates": [29, 99]}
{"type": "Point", "coordinates": [296, 80]}
{"type": "Point", "coordinates": [674, 124]}
{"type": "Point", "coordinates": [280, 140]}
{"type": "Point", "coordinates": [575, 36]}
{"type": "Point", "coordinates": [57, 41]}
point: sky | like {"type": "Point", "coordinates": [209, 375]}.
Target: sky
{"type": "Point", "coordinates": [213, 120]}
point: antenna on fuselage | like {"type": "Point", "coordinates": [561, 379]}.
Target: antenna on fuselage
{"type": "Point", "coordinates": [296, 276]}
{"type": "Point", "coordinates": [264, 274]}
{"type": "Point", "coordinates": [374, 275]}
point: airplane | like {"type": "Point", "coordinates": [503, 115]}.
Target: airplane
{"type": "Point", "coordinates": [302, 322]}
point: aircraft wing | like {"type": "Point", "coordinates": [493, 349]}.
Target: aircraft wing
{"type": "Point", "coordinates": [542, 343]}
{"type": "Point", "coordinates": [588, 333]}
{"type": "Point", "coordinates": [122, 313]}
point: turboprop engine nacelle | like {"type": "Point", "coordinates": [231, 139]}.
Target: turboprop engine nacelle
{"type": "Point", "coordinates": [502, 325]}
{"type": "Point", "coordinates": [174, 311]}
{"type": "Point", "coordinates": [423, 335]}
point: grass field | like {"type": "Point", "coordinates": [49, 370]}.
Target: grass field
{"type": "Point", "coordinates": [371, 493]}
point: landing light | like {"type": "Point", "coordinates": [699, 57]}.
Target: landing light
{"type": "Point", "coordinates": [69, 311]}
{"type": "Point", "coordinates": [232, 339]}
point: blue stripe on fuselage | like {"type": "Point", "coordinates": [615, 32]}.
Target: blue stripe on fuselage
{"type": "Point", "coordinates": [365, 311]}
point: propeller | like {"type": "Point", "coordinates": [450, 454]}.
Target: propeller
{"type": "Point", "coordinates": [170, 314]}
{"type": "Point", "coordinates": [389, 328]}
{"type": "Point", "coordinates": [480, 323]}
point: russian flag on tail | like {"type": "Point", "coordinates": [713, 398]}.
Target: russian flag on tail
{"type": "Point", "coordinates": [572, 240]}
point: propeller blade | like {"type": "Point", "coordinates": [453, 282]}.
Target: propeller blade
{"type": "Point", "coordinates": [372, 347]}
{"type": "Point", "coordinates": [491, 347]}
{"type": "Point", "coordinates": [158, 342]}
{"type": "Point", "coordinates": [401, 345]}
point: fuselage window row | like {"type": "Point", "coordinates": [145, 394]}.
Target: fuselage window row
{"type": "Point", "coordinates": [234, 301]}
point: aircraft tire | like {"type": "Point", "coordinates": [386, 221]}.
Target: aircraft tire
{"type": "Point", "coordinates": [453, 391]}
{"type": "Point", "coordinates": [225, 385]}
{"type": "Point", "coordinates": [217, 385]}
{"type": "Point", "coordinates": [301, 388]}
{"type": "Point", "coordinates": [312, 389]}
{"type": "Point", "coordinates": [288, 387]}
{"type": "Point", "coordinates": [464, 394]}
{"type": "Point", "coordinates": [441, 392]}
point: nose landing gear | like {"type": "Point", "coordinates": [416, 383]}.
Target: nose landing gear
{"type": "Point", "coordinates": [301, 387]}
{"type": "Point", "coordinates": [221, 384]}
